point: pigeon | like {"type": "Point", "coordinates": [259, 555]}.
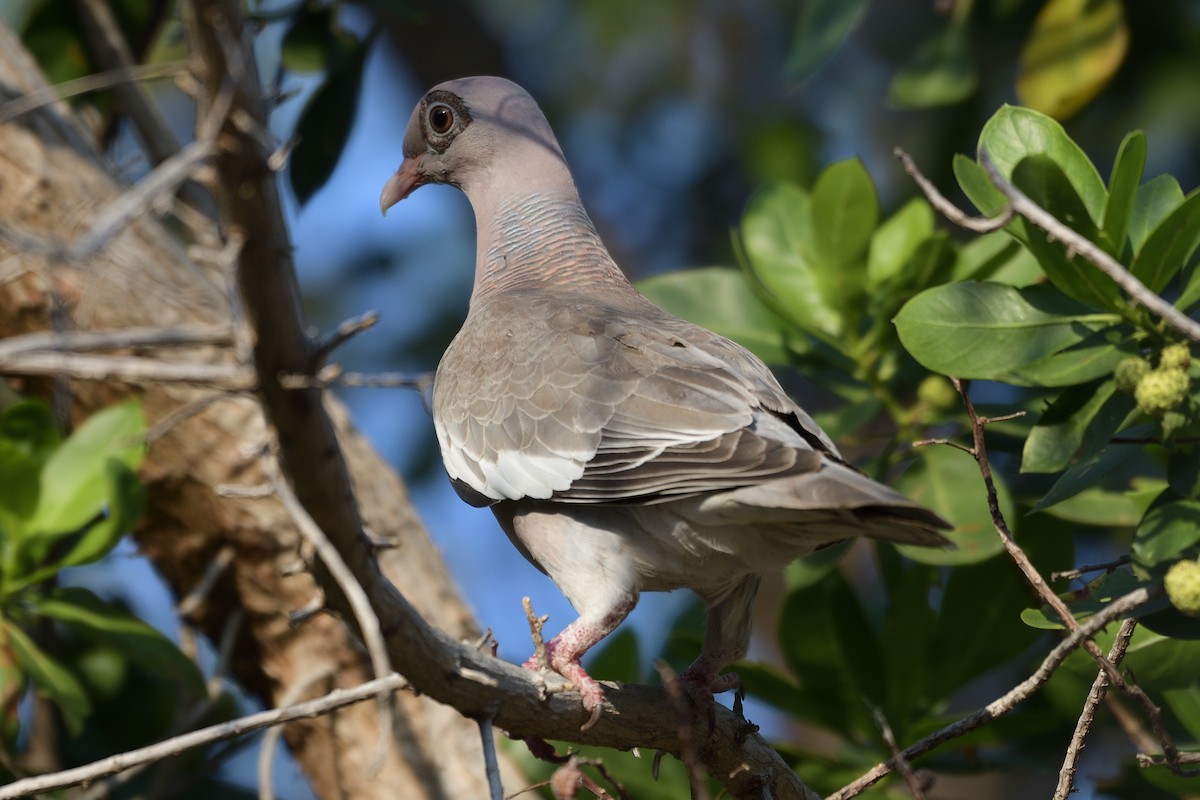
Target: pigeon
{"type": "Point", "coordinates": [622, 449]}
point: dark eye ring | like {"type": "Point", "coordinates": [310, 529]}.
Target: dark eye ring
{"type": "Point", "coordinates": [441, 118]}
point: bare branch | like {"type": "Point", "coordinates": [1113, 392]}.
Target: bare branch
{"type": "Point", "coordinates": [1010, 699]}
{"type": "Point", "coordinates": [270, 742]}
{"type": "Point", "coordinates": [88, 83]}
{"type": "Point", "coordinates": [331, 702]}
{"type": "Point", "coordinates": [364, 614]}
{"type": "Point", "coordinates": [129, 369]}
{"type": "Point", "coordinates": [87, 341]}
{"type": "Point", "coordinates": [1075, 242]}
{"type": "Point", "coordinates": [343, 333]}
{"type": "Point", "coordinates": [948, 209]}
{"type": "Point", "coordinates": [1066, 775]}
{"type": "Point", "coordinates": [487, 736]}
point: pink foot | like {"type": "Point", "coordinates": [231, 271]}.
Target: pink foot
{"type": "Point", "coordinates": [565, 662]}
{"type": "Point", "coordinates": [701, 681]}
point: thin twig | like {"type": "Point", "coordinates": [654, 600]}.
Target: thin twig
{"type": "Point", "coordinates": [270, 742]}
{"type": "Point", "coordinates": [129, 369]}
{"type": "Point", "coordinates": [948, 209]}
{"type": "Point", "coordinates": [89, 341]}
{"type": "Point", "coordinates": [1081, 245]}
{"type": "Point", "coordinates": [345, 331]}
{"type": "Point", "coordinates": [536, 624]}
{"type": "Point", "coordinates": [914, 783]}
{"type": "Point", "coordinates": [215, 569]}
{"type": "Point", "coordinates": [1066, 775]}
{"type": "Point", "coordinates": [491, 765]}
{"type": "Point", "coordinates": [214, 733]}
{"type": "Point", "coordinates": [685, 730]}
{"type": "Point", "coordinates": [1010, 699]}
{"type": "Point", "coordinates": [332, 375]}
{"type": "Point", "coordinates": [1079, 572]}
{"type": "Point", "coordinates": [88, 83]}
{"type": "Point", "coordinates": [1043, 590]}
{"type": "Point", "coordinates": [364, 614]}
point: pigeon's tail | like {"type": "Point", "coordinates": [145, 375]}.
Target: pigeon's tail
{"type": "Point", "coordinates": [856, 505]}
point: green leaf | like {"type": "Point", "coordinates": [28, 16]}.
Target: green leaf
{"type": "Point", "coordinates": [324, 126]}
{"type": "Point", "coordinates": [126, 501]}
{"type": "Point", "coordinates": [1084, 604]}
{"type": "Point", "coordinates": [1185, 705]}
{"type": "Point", "coordinates": [1155, 200]}
{"type": "Point", "coordinates": [309, 45]}
{"type": "Point", "coordinates": [1014, 133]}
{"type": "Point", "coordinates": [1094, 357]}
{"type": "Point", "coordinates": [1168, 247]}
{"type": "Point", "coordinates": [1085, 475]}
{"type": "Point", "coordinates": [75, 482]}
{"type": "Point", "coordinates": [1159, 663]}
{"type": "Point", "coordinates": [820, 29]}
{"type": "Point", "coordinates": [1089, 413]}
{"type": "Point", "coordinates": [895, 241]}
{"type": "Point", "coordinates": [941, 71]}
{"type": "Point", "coordinates": [978, 187]}
{"type": "Point", "coordinates": [1122, 192]}
{"type": "Point", "coordinates": [1045, 183]}
{"type": "Point", "coordinates": [1099, 508]}
{"type": "Point", "coordinates": [1073, 51]}
{"type": "Point", "coordinates": [30, 426]}
{"type": "Point", "coordinates": [989, 330]}
{"type": "Point", "coordinates": [19, 475]}
{"type": "Point", "coordinates": [777, 246]}
{"type": "Point", "coordinates": [947, 480]}
{"type": "Point", "coordinates": [723, 301]}
{"type": "Point", "coordinates": [996, 257]}
{"type": "Point", "coordinates": [908, 629]}
{"type": "Point", "coordinates": [1167, 530]}
{"type": "Point", "coordinates": [1190, 295]}
{"type": "Point", "coordinates": [52, 679]}
{"type": "Point", "coordinates": [845, 212]}
{"type": "Point", "coordinates": [100, 622]}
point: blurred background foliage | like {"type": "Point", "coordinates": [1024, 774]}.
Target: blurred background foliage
{"type": "Point", "coordinates": [754, 139]}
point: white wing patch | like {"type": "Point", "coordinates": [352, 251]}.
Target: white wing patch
{"type": "Point", "coordinates": [511, 474]}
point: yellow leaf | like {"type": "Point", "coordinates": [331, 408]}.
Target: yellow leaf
{"type": "Point", "coordinates": [1073, 51]}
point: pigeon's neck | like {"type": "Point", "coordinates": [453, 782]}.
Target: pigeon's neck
{"type": "Point", "coordinates": [543, 241]}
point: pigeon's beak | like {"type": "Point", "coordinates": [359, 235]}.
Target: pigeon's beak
{"type": "Point", "coordinates": [402, 184]}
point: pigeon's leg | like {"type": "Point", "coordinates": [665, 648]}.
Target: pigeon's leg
{"type": "Point", "coordinates": [726, 639]}
{"type": "Point", "coordinates": [565, 650]}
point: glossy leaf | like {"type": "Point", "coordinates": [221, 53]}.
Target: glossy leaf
{"type": "Point", "coordinates": [1168, 247]}
{"type": "Point", "coordinates": [1099, 508]}
{"type": "Point", "coordinates": [1122, 192]}
{"type": "Point", "coordinates": [948, 481]}
{"type": "Point", "coordinates": [895, 241]}
{"type": "Point", "coordinates": [75, 481]}
{"type": "Point", "coordinates": [723, 301]}
{"type": "Point", "coordinates": [1073, 51]}
{"type": "Point", "coordinates": [126, 500]}
{"type": "Point", "coordinates": [845, 213]}
{"type": "Point", "coordinates": [324, 126]}
{"type": "Point", "coordinates": [821, 28]}
{"type": "Point", "coordinates": [978, 187]}
{"type": "Point", "coordinates": [1088, 413]}
{"type": "Point", "coordinates": [995, 257]}
{"type": "Point", "coordinates": [1167, 530]}
{"type": "Point", "coordinates": [1159, 663]}
{"type": "Point", "coordinates": [100, 622]}
{"type": "Point", "coordinates": [1085, 475]}
{"type": "Point", "coordinates": [20, 475]}
{"type": "Point", "coordinates": [1155, 200]}
{"type": "Point", "coordinates": [30, 426]}
{"type": "Point", "coordinates": [51, 678]}
{"type": "Point", "coordinates": [1045, 183]}
{"type": "Point", "coordinates": [310, 43]}
{"type": "Point", "coordinates": [941, 71]}
{"type": "Point", "coordinates": [988, 330]}
{"type": "Point", "coordinates": [777, 245]}
{"type": "Point", "coordinates": [1014, 133]}
{"type": "Point", "coordinates": [1094, 357]}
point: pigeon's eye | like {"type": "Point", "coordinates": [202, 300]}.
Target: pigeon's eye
{"type": "Point", "coordinates": [441, 118]}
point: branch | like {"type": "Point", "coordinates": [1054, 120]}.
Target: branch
{"type": "Point", "coordinates": [129, 369]}
{"type": "Point", "coordinates": [1010, 699]}
{"type": "Point", "coordinates": [1066, 775]}
{"type": "Point", "coordinates": [948, 209]}
{"type": "Point", "coordinates": [88, 83]}
{"type": "Point", "coordinates": [329, 703]}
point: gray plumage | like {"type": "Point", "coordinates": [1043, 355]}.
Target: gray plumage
{"type": "Point", "coordinates": [622, 449]}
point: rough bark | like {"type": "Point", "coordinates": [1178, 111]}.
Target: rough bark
{"type": "Point", "coordinates": [52, 184]}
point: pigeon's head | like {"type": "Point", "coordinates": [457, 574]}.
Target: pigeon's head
{"type": "Point", "coordinates": [478, 134]}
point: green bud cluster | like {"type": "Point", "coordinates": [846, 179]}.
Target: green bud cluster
{"type": "Point", "coordinates": [1159, 390]}
{"type": "Point", "coordinates": [1182, 583]}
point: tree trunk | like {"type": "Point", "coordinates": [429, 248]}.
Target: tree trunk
{"type": "Point", "coordinates": [52, 186]}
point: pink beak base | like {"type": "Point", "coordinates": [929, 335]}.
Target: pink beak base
{"type": "Point", "coordinates": [401, 185]}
